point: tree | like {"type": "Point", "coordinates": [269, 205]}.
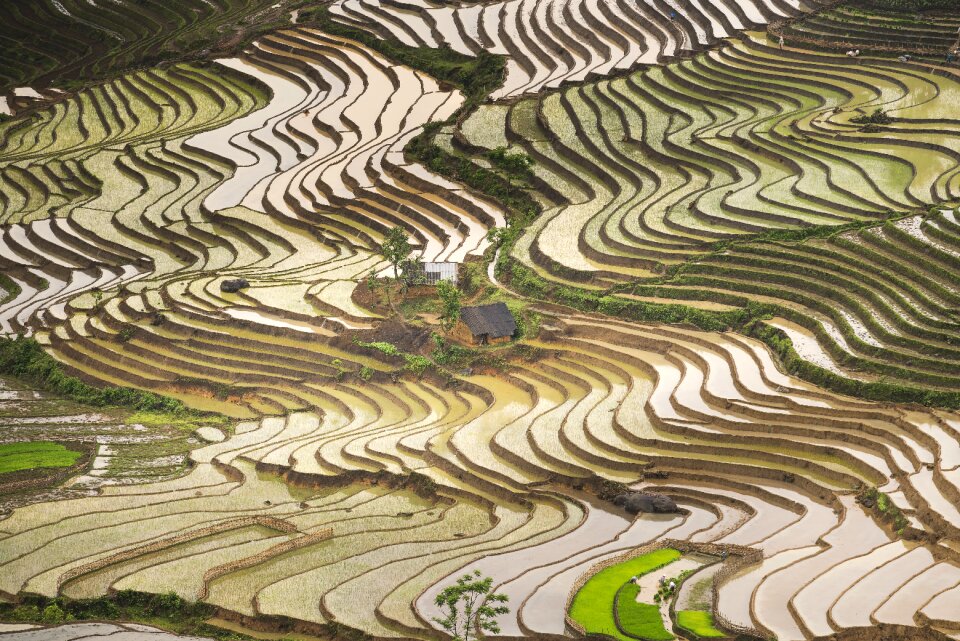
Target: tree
{"type": "Point", "coordinates": [449, 303]}
{"type": "Point", "coordinates": [470, 606]}
{"type": "Point", "coordinates": [496, 235]}
{"type": "Point", "coordinates": [396, 248]}
{"type": "Point", "coordinates": [414, 272]}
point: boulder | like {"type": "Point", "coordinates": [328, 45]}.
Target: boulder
{"type": "Point", "coordinates": [233, 285]}
{"type": "Point", "coordinates": [637, 502]}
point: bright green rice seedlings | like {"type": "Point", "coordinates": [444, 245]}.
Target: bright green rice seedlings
{"type": "Point", "coordinates": [698, 623]}
{"type": "Point", "coordinates": [593, 605]}
{"type": "Point", "coordinates": [639, 620]}
{"type": "Point", "coordinates": [25, 456]}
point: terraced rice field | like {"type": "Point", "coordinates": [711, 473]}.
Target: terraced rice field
{"type": "Point", "coordinates": [653, 170]}
{"type": "Point", "coordinates": [868, 29]}
{"type": "Point", "coordinates": [53, 41]}
{"type": "Point", "coordinates": [350, 490]}
{"type": "Point", "coordinates": [52, 448]}
{"type": "Point", "coordinates": [551, 43]}
{"type": "Point", "coordinates": [654, 167]}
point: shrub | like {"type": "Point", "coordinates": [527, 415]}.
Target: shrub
{"type": "Point", "coordinates": [25, 613]}
{"type": "Point", "coordinates": [446, 353]}
{"type": "Point", "coordinates": [10, 289]}
{"type": "Point", "coordinates": [878, 117]}
{"type": "Point", "coordinates": [381, 346]}
{"type": "Point", "coordinates": [882, 505]}
{"type": "Point", "coordinates": [515, 164]}
{"type": "Point", "coordinates": [126, 333]}
{"type": "Point", "coordinates": [52, 614]}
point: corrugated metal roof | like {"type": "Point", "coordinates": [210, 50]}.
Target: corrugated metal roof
{"type": "Point", "coordinates": [436, 272]}
{"type": "Point", "coordinates": [494, 320]}
{"type": "Point", "coordinates": [432, 273]}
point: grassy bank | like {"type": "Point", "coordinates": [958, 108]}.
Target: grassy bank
{"type": "Point", "coordinates": [165, 611]}
{"type": "Point", "coordinates": [24, 358]}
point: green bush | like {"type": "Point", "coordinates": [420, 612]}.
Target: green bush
{"type": "Point", "coordinates": [52, 615]}
{"type": "Point", "coordinates": [878, 117]}
{"type": "Point", "coordinates": [411, 362]}
{"type": "Point", "coordinates": [9, 287]}
{"type": "Point", "coordinates": [25, 613]}
{"type": "Point", "coordinates": [884, 507]}
{"type": "Point", "coordinates": [515, 164]}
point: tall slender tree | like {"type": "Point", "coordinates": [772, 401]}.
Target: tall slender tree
{"type": "Point", "coordinates": [449, 303]}
{"type": "Point", "coordinates": [471, 607]}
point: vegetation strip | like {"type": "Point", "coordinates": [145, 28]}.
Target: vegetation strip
{"type": "Point", "coordinates": [34, 455]}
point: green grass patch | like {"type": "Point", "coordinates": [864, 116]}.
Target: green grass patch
{"type": "Point", "coordinates": [412, 362]}
{"type": "Point", "coordinates": [593, 604]}
{"type": "Point", "coordinates": [639, 620]}
{"type": "Point", "coordinates": [698, 623]}
{"type": "Point", "coordinates": [38, 454]}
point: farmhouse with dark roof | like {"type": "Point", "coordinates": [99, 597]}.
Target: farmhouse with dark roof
{"type": "Point", "coordinates": [485, 324]}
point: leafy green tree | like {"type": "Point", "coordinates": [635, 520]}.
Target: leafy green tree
{"type": "Point", "coordinates": [414, 272]}
{"type": "Point", "coordinates": [496, 235]}
{"type": "Point", "coordinates": [449, 303]}
{"type": "Point", "coordinates": [396, 249]}
{"type": "Point", "coordinates": [470, 606]}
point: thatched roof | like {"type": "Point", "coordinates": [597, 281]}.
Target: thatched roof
{"type": "Point", "coordinates": [494, 320]}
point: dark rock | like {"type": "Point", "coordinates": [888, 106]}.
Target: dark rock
{"type": "Point", "coordinates": [233, 285]}
{"type": "Point", "coordinates": [637, 502]}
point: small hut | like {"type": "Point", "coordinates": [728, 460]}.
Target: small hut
{"type": "Point", "coordinates": [485, 324]}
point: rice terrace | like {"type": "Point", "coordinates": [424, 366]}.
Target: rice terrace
{"type": "Point", "coordinates": [631, 320]}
